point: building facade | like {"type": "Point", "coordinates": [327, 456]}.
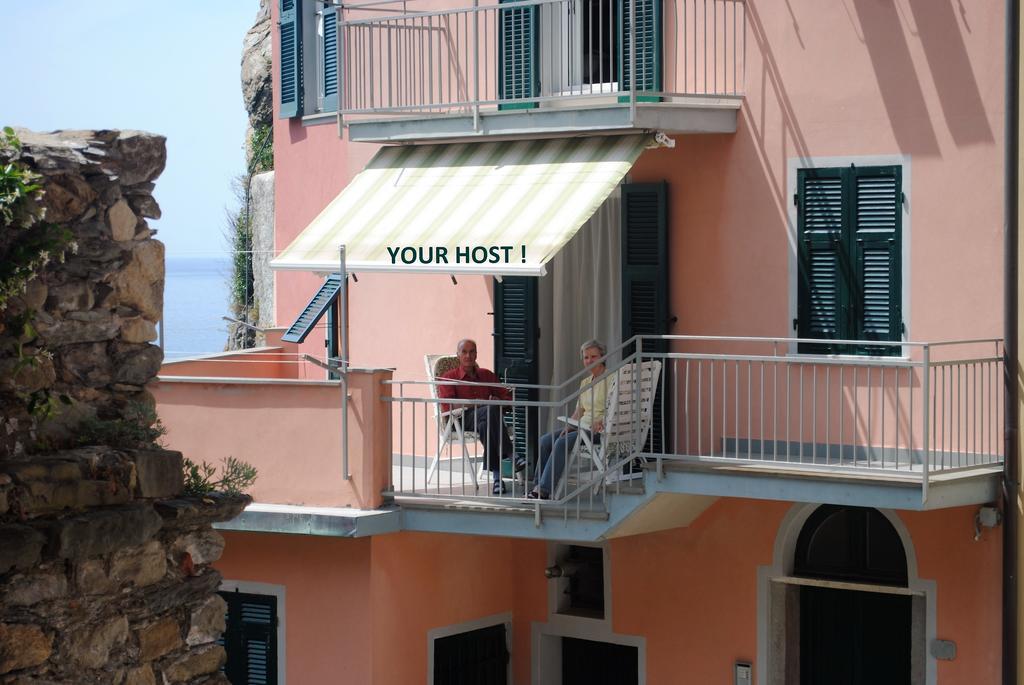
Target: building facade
{"type": "Point", "coordinates": [798, 209]}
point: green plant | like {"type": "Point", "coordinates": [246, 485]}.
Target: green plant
{"type": "Point", "coordinates": [241, 279]}
{"type": "Point", "coordinates": [139, 427]}
{"type": "Point", "coordinates": [27, 242]}
{"type": "Point", "coordinates": [261, 149]}
{"type": "Point", "coordinates": [236, 477]}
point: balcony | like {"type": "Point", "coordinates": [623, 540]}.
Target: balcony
{"type": "Point", "coordinates": [731, 417]}
{"type": "Point", "coordinates": [734, 417]}
{"type": "Point", "coordinates": [541, 68]}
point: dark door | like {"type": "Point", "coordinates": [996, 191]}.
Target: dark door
{"type": "Point", "coordinates": [585, 662]}
{"type": "Point", "coordinates": [516, 331]}
{"type": "Point", "coordinates": [848, 637]}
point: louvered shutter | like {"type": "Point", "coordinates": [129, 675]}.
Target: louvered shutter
{"type": "Point", "coordinates": [330, 57]}
{"type": "Point", "coordinates": [290, 28]}
{"type": "Point", "coordinates": [314, 311]}
{"type": "Point", "coordinates": [515, 352]}
{"type": "Point", "coordinates": [644, 262]}
{"type": "Point", "coordinates": [518, 65]}
{"type": "Point", "coordinates": [647, 37]}
{"type": "Point", "coordinates": [250, 638]}
{"type": "Point", "coordinates": [824, 278]}
{"type": "Point", "coordinates": [876, 243]}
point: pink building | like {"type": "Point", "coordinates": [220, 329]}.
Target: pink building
{"type": "Point", "coordinates": [797, 207]}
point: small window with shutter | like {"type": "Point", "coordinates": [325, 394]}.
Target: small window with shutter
{"type": "Point", "coordinates": [850, 222]}
{"type": "Point", "coordinates": [250, 638]}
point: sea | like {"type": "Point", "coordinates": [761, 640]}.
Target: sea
{"type": "Point", "coordinates": [195, 299]}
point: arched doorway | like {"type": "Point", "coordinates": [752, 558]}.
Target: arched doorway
{"type": "Point", "coordinates": [853, 631]}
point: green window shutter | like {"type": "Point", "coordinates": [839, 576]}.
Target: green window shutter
{"type": "Point", "coordinates": [518, 50]}
{"type": "Point", "coordinates": [250, 638]}
{"type": "Point", "coordinates": [647, 37]}
{"type": "Point", "coordinates": [644, 263]}
{"type": "Point", "coordinates": [319, 304]}
{"type": "Point", "coordinates": [515, 352]}
{"type": "Point", "coordinates": [330, 52]}
{"type": "Point", "coordinates": [824, 278]}
{"type": "Point", "coordinates": [876, 243]}
{"type": "Point", "coordinates": [290, 28]}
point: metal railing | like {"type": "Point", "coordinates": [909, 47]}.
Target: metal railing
{"type": "Point", "coordinates": [538, 53]}
{"type": "Point", "coordinates": [937, 407]}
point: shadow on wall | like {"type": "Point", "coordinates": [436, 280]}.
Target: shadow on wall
{"type": "Point", "coordinates": [951, 69]}
{"type": "Point", "coordinates": [887, 32]}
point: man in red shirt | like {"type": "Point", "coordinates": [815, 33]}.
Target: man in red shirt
{"type": "Point", "coordinates": [485, 419]}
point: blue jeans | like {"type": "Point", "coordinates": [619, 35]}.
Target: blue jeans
{"type": "Point", "coordinates": [555, 449]}
{"type": "Point", "coordinates": [486, 421]}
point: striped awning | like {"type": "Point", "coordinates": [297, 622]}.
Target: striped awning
{"type": "Point", "coordinates": [502, 208]}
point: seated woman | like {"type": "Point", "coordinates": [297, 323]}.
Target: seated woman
{"type": "Point", "coordinates": [589, 415]}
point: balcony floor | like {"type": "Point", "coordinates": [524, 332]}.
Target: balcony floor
{"type": "Point", "coordinates": [580, 117]}
{"type": "Point", "coordinates": [681, 492]}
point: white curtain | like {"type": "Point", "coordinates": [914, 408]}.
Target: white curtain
{"type": "Point", "coordinates": [580, 297]}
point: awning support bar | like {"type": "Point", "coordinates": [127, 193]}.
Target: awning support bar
{"type": "Point", "coordinates": [343, 370]}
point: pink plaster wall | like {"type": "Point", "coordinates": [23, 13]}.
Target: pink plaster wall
{"type": "Point", "coordinates": [327, 600]}
{"type": "Point", "coordinates": [969, 597]}
{"type": "Point", "coordinates": [922, 79]}
{"type": "Point", "coordinates": [289, 432]}
{"type": "Point", "coordinates": [423, 581]}
{"type": "Point", "coordinates": [702, 616]}
{"type": "Point", "coordinates": [363, 607]}
{"type": "Point", "coordinates": [691, 593]}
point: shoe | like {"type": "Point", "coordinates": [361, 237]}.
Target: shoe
{"type": "Point", "coordinates": [499, 488]}
{"type": "Point", "coordinates": [533, 494]}
{"type": "Point", "coordinates": [520, 463]}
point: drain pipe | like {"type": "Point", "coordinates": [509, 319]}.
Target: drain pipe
{"type": "Point", "coordinates": [1011, 461]}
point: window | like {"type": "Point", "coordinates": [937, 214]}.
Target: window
{"type": "Point", "coordinates": [309, 57]}
{"type": "Point", "coordinates": [474, 657]}
{"type": "Point", "coordinates": [583, 46]}
{"type": "Point", "coordinates": [850, 232]}
{"type": "Point", "coordinates": [250, 638]}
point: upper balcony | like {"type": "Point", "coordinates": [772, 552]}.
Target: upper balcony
{"type": "Point", "coordinates": [540, 68]}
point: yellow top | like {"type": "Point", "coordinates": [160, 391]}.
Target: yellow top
{"type": "Point", "coordinates": [592, 401]}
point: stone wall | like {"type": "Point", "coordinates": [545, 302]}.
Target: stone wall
{"type": "Point", "coordinates": [105, 572]}
{"type": "Point", "coordinates": [96, 313]}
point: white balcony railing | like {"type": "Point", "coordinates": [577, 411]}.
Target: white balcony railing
{"type": "Point", "coordinates": [936, 408]}
{"type": "Point", "coordinates": [538, 53]}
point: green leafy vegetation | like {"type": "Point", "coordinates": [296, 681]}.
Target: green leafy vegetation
{"type": "Point", "coordinates": [261, 149]}
{"type": "Point", "coordinates": [138, 427]}
{"type": "Point", "coordinates": [236, 477]}
{"type": "Point", "coordinates": [239, 231]}
{"type": "Point", "coordinates": [27, 242]}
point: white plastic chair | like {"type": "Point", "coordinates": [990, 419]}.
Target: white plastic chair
{"type": "Point", "coordinates": [449, 423]}
{"type": "Point", "coordinates": [625, 428]}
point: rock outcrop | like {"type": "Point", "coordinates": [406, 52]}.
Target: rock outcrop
{"type": "Point", "coordinates": [257, 89]}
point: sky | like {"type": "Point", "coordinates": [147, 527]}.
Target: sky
{"type": "Point", "coordinates": [167, 68]}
